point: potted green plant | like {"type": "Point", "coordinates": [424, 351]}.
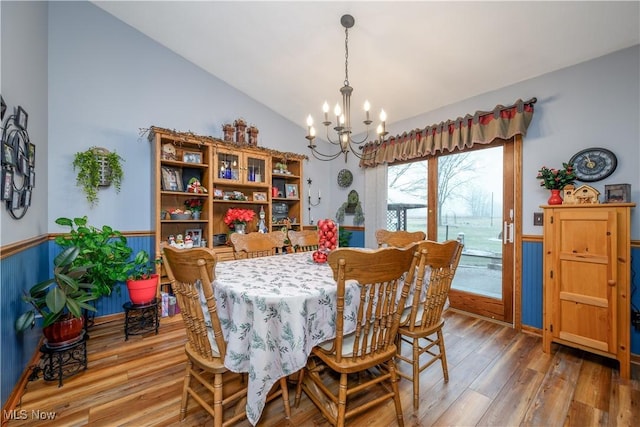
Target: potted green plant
{"type": "Point", "coordinates": [97, 167]}
{"type": "Point", "coordinates": [105, 249]}
{"type": "Point", "coordinates": [142, 282]}
{"type": "Point", "coordinates": [60, 300]}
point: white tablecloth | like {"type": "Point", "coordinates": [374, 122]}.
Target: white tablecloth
{"type": "Point", "coordinates": [274, 310]}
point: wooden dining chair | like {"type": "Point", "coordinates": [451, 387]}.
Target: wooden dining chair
{"type": "Point", "coordinates": [254, 245]}
{"type": "Point", "coordinates": [398, 239]}
{"type": "Point", "coordinates": [191, 273]}
{"type": "Point", "coordinates": [370, 349]}
{"type": "Point", "coordinates": [303, 240]}
{"type": "Point", "coordinates": [421, 323]}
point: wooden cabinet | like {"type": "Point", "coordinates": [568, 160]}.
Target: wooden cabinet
{"type": "Point", "coordinates": [234, 176]}
{"type": "Point", "coordinates": [586, 290]}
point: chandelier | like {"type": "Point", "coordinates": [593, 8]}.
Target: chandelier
{"type": "Point", "coordinates": [342, 138]}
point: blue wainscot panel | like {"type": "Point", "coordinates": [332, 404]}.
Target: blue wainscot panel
{"type": "Point", "coordinates": [532, 284]}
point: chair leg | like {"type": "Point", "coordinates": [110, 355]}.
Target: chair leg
{"type": "Point", "coordinates": [443, 356]}
{"type": "Point", "coordinates": [342, 401]}
{"type": "Point", "coordinates": [285, 397]}
{"type": "Point", "coordinates": [299, 387]}
{"type": "Point", "coordinates": [416, 373]}
{"type": "Point", "coordinates": [218, 410]}
{"type": "Point", "coordinates": [396, 392]}
{"type": "Point", "coordinates": [185, 391]}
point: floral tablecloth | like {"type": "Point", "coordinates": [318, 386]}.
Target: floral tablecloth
{"type": "Point", "coordinates": [274, 310]}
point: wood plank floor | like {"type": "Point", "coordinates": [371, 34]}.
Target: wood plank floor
{"type": "Point", "coordinates": [497, 378]}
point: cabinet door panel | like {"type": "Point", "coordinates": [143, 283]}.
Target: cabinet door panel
{"type": "Point", "coordinates": [586, 297]}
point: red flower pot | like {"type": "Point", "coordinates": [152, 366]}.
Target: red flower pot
{"type": "Point", "coordinates": [143, 291]}
{"type": "Point", "coordinates": [65, 331]}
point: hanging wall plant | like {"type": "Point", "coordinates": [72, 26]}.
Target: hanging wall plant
{"type": "Point", "coordinates": [97, 167]}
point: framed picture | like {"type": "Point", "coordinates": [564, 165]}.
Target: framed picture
{"type": "Point", "coordinates": [26, 198]}
{"type": "Point", "coordinates": [171, 179]}
{"type": "Point", "coordinates": [23, 165]}
{"type": "Point", "coordinates": [196, 236]}
{"type": "Point", "coordinates": [32, 154]}
{"type": "Point", "coordinates": [8, 155]}
{"type": "Point", "coordinates": [617, 193]}
{"type": "Point", "coordinates": [192, 157]}
{"type": "Point", "coordinates": [21, 118]}
{"type": "Point", "coordinates": [259, 196]}
{"type": "Point", "coordinates": [16, 200]}
{"type": "Point", "coordinates": [292, 191]}
{"type": "Point", "coordinates": [7, 184]}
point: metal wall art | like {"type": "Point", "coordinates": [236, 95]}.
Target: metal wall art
{"type": "Point", "coordinates": [18, 164]}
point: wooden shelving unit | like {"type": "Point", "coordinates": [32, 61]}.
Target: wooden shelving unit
{"type": "Point", "coordinates": [223, 168]}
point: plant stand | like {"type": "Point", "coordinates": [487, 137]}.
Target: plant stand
{"type": "Point", "coordinates": [59, 362]}
{"type": "Point", "coordinates": [140, 318]}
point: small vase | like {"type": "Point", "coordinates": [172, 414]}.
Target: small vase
{"type": "Point", "coordinates": [555, 198]}
{"type": "Point", "coordinates": [240, 227]}
{"type": "Point", "coordinates": [195, 214]}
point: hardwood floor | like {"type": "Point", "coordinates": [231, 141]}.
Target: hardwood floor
{"type": "Point", "coordinates": [497, 378]}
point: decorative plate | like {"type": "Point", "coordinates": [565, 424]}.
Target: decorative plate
{"type": "Point", "coordinates": [345, 178]}
{"type": "Point", "coordinates": [594, 164]}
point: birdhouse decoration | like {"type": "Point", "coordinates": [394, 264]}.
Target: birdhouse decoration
{"type": "Point", "coordinates": [586, 195]}
{"type": "Point", "coordinates": [568, 195]}
{"type": "Point", "coordinates": [241, 128]}
{"type": "Point", "coordinates": [253, 135]}
{"type": "Point", "coordinates": [227, 132]}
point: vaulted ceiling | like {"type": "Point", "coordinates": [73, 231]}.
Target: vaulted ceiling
{"type": "Point", "coordinates": [406, 57]}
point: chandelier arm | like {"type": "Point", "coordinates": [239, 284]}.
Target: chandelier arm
{"type": "Point", "coordinates": [324, 157]}
{"type": "Point", "coordinates": [363, 140]}
{"type": "Point", "coordinates": [332, 141]}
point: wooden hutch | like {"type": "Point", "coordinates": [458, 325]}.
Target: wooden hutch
{"type": "Point", "coordinates": [234, 176]}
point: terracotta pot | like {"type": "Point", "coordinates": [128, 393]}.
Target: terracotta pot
{"type": "Point", "coordinates": [555, 198]}
{"type": "Point", "coordinates": [65, 331]}
{"type": "Point", "coordinates": [143, 291]}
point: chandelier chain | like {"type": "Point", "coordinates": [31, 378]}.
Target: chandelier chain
{"type": "Point", "coordinates": [346, 57]}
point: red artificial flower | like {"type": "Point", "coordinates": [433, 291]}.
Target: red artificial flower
{"type": "Point", "coordinates": [238, 215]}
{"type": "Point", "coordinates": [193, 204]}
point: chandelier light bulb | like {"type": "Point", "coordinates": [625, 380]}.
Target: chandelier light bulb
{"type": "Point", "coordinates": [367, 106]}
{"type": "Point", "coordinates": [325, 107]}
{"type": "Point", "coordinates": [341, 119]}
{"type": "Point", "coordinates": [337, 110]}
{"type": "Point", "coordinates": [312, 131]}
{"type": "Point", "coordinates": [379, 129]}
{"type": "Point", "coordinates": [309, 120]}
{"type": "Point", "coordinates": [383, 116]}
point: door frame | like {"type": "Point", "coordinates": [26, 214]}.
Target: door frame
{"type": "Point", "coordinates": [509, 309]}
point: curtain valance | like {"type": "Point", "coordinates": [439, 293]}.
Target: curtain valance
{"type": "Point", "coordinates": [481, 128]}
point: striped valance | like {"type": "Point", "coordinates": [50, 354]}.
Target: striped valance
{"type": "Point", "coordinates": [481, 128]}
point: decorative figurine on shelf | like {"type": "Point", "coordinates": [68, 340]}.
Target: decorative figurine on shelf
{"type": "Point", "coordinates": [188, 241]}
{"type": "Point", "coordinates": [253, 135]}
{"type": "Point", "coordinates": [179, 242]}
{"type": "Point", "coordinates": [262, 227]}
{"type": "Point", "coordinates": [172, 240]}
{"type": "Point", "coordinates": [241, 127]}
{"type": "Point", "coordinates": [227, 132]}
{"type": "Point", "coordinates": [195, 186]}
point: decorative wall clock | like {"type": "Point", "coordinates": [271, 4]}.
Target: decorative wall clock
{"type": "Point", "coordinates": [594, 164]}
{"type": "Point", "coordinates": [345, 178]}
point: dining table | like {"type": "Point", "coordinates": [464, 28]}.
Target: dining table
{"type": "Point", "coordinates": [273, 311]}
